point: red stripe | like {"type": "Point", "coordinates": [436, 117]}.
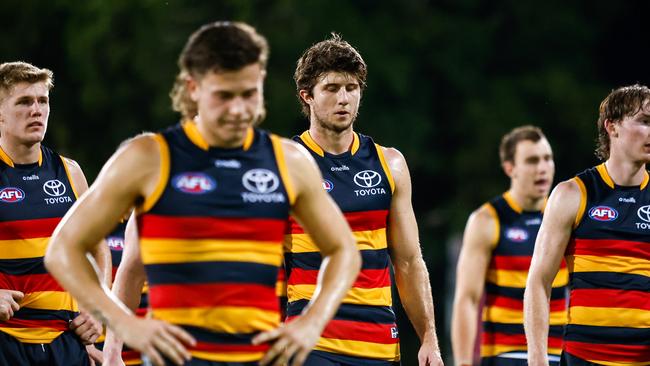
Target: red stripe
{"type": "Point", "coordinates": [358, 221]}
{"type": "Point", "coordinates": [518, 304]}
{"type": "Point", "coordinates": [282, 275]}
{"type": "Point", "coordinates": [514, 263]}
{"type": "Point", "coordinates": [488, 338]}
{"type": "Point", "coordinates": [368, 278]}
{"type": "Point", "coordinates": [130, 356]}
{"type": "Point", "coordinates": [608, 352]}
{"type": "Point", "coordinates": [29, 283]}
{"type": "Point", "coordinates": [28, 229]}
{"type": "Point", "coordinates": [24, 323]}
{"type": "Point", "coordinates": [224, 348]}
{"type": "Point", "coordinates": [606, 247]}
{"type": "Point", "coordinates": [604, 298]}
{"type": "Point", "coordinates": [156, 226]}
{"type": "Point", "coordinates": [359, 331]}
{"type": "Point", "coordinates": [212, 295]}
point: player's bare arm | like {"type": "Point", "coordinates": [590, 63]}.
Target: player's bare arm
{"type": "Point", "coordinates": [475, 254]}
{"type": "Point", "coordinates": [126, 179]}
{"type": "Point", "coordinates": [411, 275]}
{"type": "Point", "coordinates": [552, 239]}
{"type": "Point", "coordinates": [324, 222]}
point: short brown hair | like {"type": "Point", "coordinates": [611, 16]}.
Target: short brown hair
{"type": "Point", "coordinates": [333, 54]}
{"type": "Point", "coordinates": [216, 47]}
{"type": "Point", "coordinates": [12, 73]}
{"type": "Point", "coordinates": [509, 141]}
{"type": "Point", "coordinates": [620, 103]}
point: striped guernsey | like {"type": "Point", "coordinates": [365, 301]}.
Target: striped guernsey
{"type": "Point", "coordinates": [211, 240]}
{"type": "Point", "coordinates": [33, 199]}
{"type": "Point", "coordinates": [361, 184]}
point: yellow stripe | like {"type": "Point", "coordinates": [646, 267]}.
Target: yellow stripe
{"type": "Point", "coordinates": [5, 158]}
{"type": "Point", "coordinates": [497, 349]}
{"type": "Point", "coordinates": [133, 362]}
{"type": "Point", "coordinates": [223, 319]}
{"type": "Point", "coordinates": [282, 167]}
{"type": "Point", "coordinates": [497, 224]}
{"type": "Point", "coordinates": [389, 175]}
{"type": "Point", "coordinates": [360, 296]}
{"type": "Point", "coordinates": [508, 278]}
{"type": "Point", "coordinates": [32, 335]}
{"type": "Point", "coordinates": [609, 317]}
{"type": "Point", "coordinates": [228, 357]}
{"type": "Point", "coordinates": [23, 248]}
{"type": "Point", "coordinates": [366, 240]}
{"type": "Point", "coordinates": [355, 143]}
{"type": "Point", "coordinates": [583, 201]}
{"type": "Point", "coordinates": [150, 201]}
{"type": "Point", "coordinates": [379, 351]}
{"type": "Point", "coordinates": [183, 250]}
{"type": "Point", "coordinates": [512, 316]}
{"type": "Point", "coordinates": [602, 170]}
{"type": "Point", "coordinates": [281, 289]}
{"type": "Point", "coordinates": [49, 300]}
{"type": "Point", "coordinates": [615, 264]}
{"type": "Point", "coordinates": [511, 202]}
{"type": "Point", "coordinates": [67, 173]}
{"type": "Point", "coordinates": [311, 144]}
{"type": "Point", "coordinates": [646, 178]}
{"type": "Point", "coordinates": [248, 140]}
{"type": "Point", "coordinates": [192, 132]}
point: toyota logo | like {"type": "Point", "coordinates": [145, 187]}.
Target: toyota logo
{"type": "Point", "coordinates": [260, 181]}
{"type": "Point", "coordinates": [54, 188]}
{"type": "Point", "coordinates": [644, 213]}
{"type": "Point", "coordinates": [367, 178]}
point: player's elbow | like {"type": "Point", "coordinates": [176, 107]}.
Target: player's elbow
{"type": "Point", "coordinates": [54, 256]}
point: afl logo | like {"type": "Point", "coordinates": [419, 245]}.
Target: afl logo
{"type": "Point", "coordinates": [260, 181]}
{"type": "Point", "coordinates": [54, 188]}
{"type": "Point", "coordinates": [517, 235]}
{"type": "Point", "coordinates": [115, 243]}
{"type": "Point", "coordinates": [603, 213]}
{"type": "Point", "coordinates": [327, 185]}
{"type": "Point", "coordinates": [194, 183]}
{"type": "Point", "coordinates": [11, 195]}
{"type": "Point", "coordinates": [367, 179]}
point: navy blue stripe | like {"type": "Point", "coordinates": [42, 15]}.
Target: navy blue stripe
{"type": "Point", "coordinates": [609, 280]}
{"type": "Point", "coordinates": [210, 272]}
{"type": "Point", "coordinates": [553, 330]}
{"type": "Point", "coordinates": [116, 257]}
{"type": "Point", "coordinates": [371, 259]}
{"type": "Point", "coordinates": [361, 313]}
{"type": "Point", "coordinates": [607, 335]}
{"type": "Point", "coordinates": [205, 335]}
{"type": "Point", "coordinates": [40, 314]}
{"type": "Point", "coordinates": [518, 293]}
{"type": "Point", "coordinates": [22, 266]}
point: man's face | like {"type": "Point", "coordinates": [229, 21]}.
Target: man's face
{"type": "Point", "coordinates": [630, 137]}
{"type": "Point", "coordinates": [24, 111]}
{"type": "Point", "coordinates": [229, 102]}
{"type": "Point", "coordinates": [533, 168]}
{"type": "Point", "coordinates": [334, 101]}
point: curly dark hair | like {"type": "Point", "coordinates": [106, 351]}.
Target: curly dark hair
{"type": "Point", "coordinates": [333, 54]}
{"type": "Point", "coordinates": [620, 103]}
{"type": "Point", "coordinates": [216, 47]}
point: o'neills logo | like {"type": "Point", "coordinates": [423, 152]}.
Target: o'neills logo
{"type": "Point", "coordinates": [261, 185]}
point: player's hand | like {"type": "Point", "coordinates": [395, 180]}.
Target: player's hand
{"type": "Point", "coordinates": [156, 339]}
{"type": "Point", "coordinates": [9, 300]}
{"type": "Point", "coordinates": [429, 355]}
{"type": "Point", "coordinates": [96, 356]}
{"type": "Point", "coordinates": [294, 340]}
{"type": "Point", "coordinates": [87, 328]}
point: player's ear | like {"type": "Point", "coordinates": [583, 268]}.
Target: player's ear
{"type": "Point", "coordinates": [508, 167]}
{"type": "Point", "coordinates": [192, 86]}
{"type": "Point", "coordinates": [611, 127]}
{"type": "Point", "coordinates": [306, 96]}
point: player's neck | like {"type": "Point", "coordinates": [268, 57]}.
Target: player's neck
{"type": "Point", "coordinates": [20, 153]}
{"type": "Point", "coordinates": [526, 202]}
{"type": "Point", "coordinates": [331, 141]}
{"type": "Point", "coordinates": [624, 172]}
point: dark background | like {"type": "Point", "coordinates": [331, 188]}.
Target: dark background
{"type": "Point", "coordinates": [446, 80]}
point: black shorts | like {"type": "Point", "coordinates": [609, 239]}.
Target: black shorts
{"type": "Point", "coordinates": [199, 362]}
{"type": "Point", "coordinates": [65, 350]}
{"type": "Point", "coordinates": [320, 358]}
{"type": "Point", "coordinates": [508, 361]}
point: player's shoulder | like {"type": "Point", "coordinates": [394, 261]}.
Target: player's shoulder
{"type": "Point", "coordinates": [485, 214]}
{"type": "Point", "coordinates": [570, 188]}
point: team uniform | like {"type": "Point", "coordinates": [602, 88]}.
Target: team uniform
{"type": "Point", "coordinates": [608, 258]}
{"type": "Point", "coordinates": [363, 331]}
{"type": "Point", "coordinates": [211, 241]}
{"type": "Point", "coordinates": [33, 199]}
{"type": "Point", "coordinates": [503, 341]}
{"type": "Point", "coordinates": [115, 242]}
